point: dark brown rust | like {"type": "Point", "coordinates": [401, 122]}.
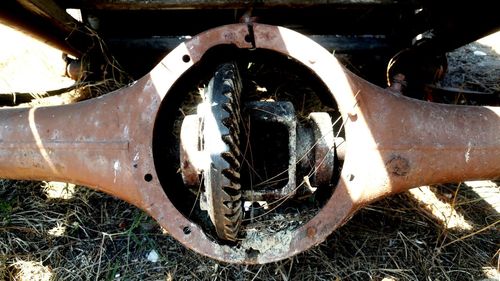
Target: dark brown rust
{"type": "Point", "coordinates": [324, 156]}
{"type": "Point", "coordinates": [105, 143]}
{"type": "Point", "coordinates": [398, 166]}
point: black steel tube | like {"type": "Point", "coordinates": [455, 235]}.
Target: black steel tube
{"type": "Point", "coordinates": [68, 36]}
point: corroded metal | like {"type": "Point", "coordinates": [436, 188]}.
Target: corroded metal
{"type": "Point", "coordinates": [309, 150]}
{"type": "Point", "coordinates": [220, 121]}
{"type": "Point", "coordinates": [276, 115]}
{"type": "Point", "coordinates": [324, 156]}
{"type": "Point", "coordinates": [393, 143]}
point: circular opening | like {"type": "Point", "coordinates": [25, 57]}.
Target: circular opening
{"type": "Point", "coordinates": [186, 230]}
{"type": "Point", "coordinates": [266, 77]}
{"type": "Point", "coordinates": [248, 38]}
{"type": "Point", "coordinates": [148, 177]}
{"type": "Point", "coordinates": [186, 58]}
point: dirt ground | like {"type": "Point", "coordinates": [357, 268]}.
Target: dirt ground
{"type": "Point", "coordinates": [57, 231]}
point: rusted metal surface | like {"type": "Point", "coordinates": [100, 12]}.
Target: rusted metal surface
{"type": "Point", "coordinates": [324, 156]}
{"type": "Point", "coordinates": [276, 115]}
{"type": "Point", "coordinates": [220, 127]}
{"type": "Point", "coordinates": [211, 4]}
{"type": "Point", "coordinates": [393, 143]}
{"type": "Point", "coordinates": [308, 149]}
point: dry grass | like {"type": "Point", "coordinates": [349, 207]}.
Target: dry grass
{"type": "Point", "coordinates": [106, 239]}
{"type": "Point", "coordinates": [51, 231]}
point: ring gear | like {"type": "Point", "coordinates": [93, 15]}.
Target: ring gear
{"type": "Point", "coordinates": [221, 121]}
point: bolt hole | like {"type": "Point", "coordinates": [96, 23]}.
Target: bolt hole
{"type": "Point", "coordinates": [353, 116]}
{"type": "Point", "coordinates": [350, 177]}
{"type": "Point", "coordinates": [248, 39]}
{"type": "Point", "coordinates": [135, 166]}
{"type": "Point", "coordinates": [186, 230]}
{"type": "Point", "coordinates": [252, 253]}
{"type": "Point", "coordinates": [148, 177]}
{"type": "Point", "coordinates": [186, 58]}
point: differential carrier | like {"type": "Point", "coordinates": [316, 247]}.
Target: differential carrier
{"type": "Point", "coordinates": [212, 154]}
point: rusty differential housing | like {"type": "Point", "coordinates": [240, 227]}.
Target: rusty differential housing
{"type": "Point", "coordinates": [114, 144]}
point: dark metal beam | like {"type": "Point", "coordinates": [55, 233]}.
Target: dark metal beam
{"type": "Point", "coordinates": [212, 4]}
{"type": "Point", "coordinates": [329, 42]}
{"type": "Point", "coordinates": [50, 11]}
{"type": "Point", "coordinates": [47, 22]}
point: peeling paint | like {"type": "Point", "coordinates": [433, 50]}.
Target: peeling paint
{"type": "Point", "coordinates": [467, 153]}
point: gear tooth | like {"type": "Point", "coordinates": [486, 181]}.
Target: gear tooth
{"type": "Point", "coordinates": [229, 122]}
{"type": "Point", "coordinates": [226, 197]}
{"type": "Point", "coordinates": [232, 112]}
{"type": "Point", "coordinates": [231, 159]}
{"type": "Point", "coordinates": [230, 95]}
{"type": "Point", "coordinates": [238, 204]}
{"type": "Point", "coordinates": [229, 140]}
{"type": "Point", "coordinates": [233, 128]}
{"type": "Point", "coordinates": [229, 203]}
{"type": "Point", "coordinates": [235, 186]}
{"type": "Point", "coordinates": [229, 206]}
{"type": "Point", "coordinates": [232, 225]}
{"type": "Point", "coordinates": [228, 108]}
{"type": "Point", "coordinates": [230, 219]}
{"type": "Point", "coordinates": [234, 201]}
{"type": "Point", "coordinates": [231, 235]}
{"type": "Point", "coordinates": [231, 230]}
{"type": "Point", "coordinates": [237, 131]}
{"type": "Point", "coordinates": [233, 217]}
{"type": "Point", "coordinates": [231, 174]}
